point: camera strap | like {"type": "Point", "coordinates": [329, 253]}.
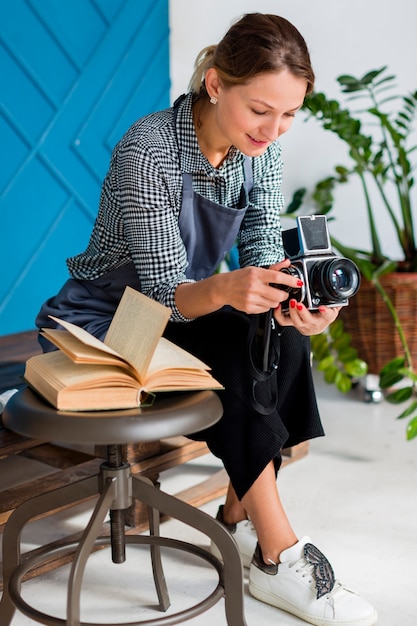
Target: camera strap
{"type": "Point", "coordinates": [264, 353]}
{"type": "Point", "coordinates": [264, 342]}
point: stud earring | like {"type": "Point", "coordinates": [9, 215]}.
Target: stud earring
{"type": "Point", "coordinates": [213, 100]}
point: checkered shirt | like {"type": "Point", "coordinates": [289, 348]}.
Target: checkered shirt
{"type": "Point", "coordinates": [141, 201]}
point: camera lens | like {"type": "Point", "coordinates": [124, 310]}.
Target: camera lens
{"type": "Point", "coordinates": [335, 279]}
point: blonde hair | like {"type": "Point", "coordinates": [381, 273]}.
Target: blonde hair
{"type": "Point", "coordinates": [256, 44]}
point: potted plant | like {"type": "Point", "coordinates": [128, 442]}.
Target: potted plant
{"type": "Point", "coordinates": [380, 158]}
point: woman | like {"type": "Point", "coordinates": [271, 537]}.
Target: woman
{"type": "Point", "coordinates": [182, 186]}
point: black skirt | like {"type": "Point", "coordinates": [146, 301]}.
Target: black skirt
{"type": "Point", "coordinates": [247, 439]}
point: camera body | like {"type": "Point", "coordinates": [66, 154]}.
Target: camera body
{"type": "Point", "coordinates": [329, 280]}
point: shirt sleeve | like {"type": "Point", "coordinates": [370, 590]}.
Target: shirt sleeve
{"type": "Point", "coordinates": [260, 237]}
{"type": "Point", "coordinates": [148, 198]}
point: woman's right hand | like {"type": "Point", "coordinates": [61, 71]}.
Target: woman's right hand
{"type": "Point", "coordinates": [256, 289]}
{"type": "Point", "coordinates": [249, 289]}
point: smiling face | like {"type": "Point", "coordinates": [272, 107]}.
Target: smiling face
{"type": "Point", "coordinates": [252, 116]}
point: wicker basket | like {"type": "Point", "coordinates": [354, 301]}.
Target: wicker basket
{"type": "Point", "coordinates": [369, 321]}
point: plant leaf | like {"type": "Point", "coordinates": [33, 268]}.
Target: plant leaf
{"type": "Point", "coordinates": [370, 76]}
{"type": "Point", "coordinates": [394, 364]}
{"type": "Point", "coordinates": [412, 429]}
{"type": "Point", "coordinates": [330, 374]}
{"type": "Point", "coordinates": [389, 379]}
{"type": "Point", "coordinates": [348, 354]}
{"type": "Point", "coordinates": [400, 395]}
{"type": "Point", "coordinates": [336, 329]}
{"type": "Point", "coordinates": [343, 382]}
{"type": "Point", "coordinates": [409, 410]}
{"type": "Point", "coordinates": [326, 363]}
{"type": "Point", "coordinates": [356, 368]}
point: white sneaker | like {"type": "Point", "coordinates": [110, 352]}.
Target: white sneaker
{"type": "Point", "coordinates": [303, 584]}
{"type": "Point", "coordinates": [243, 533]}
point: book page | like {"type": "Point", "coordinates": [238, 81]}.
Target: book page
{"type": "Point", "coordinates": [76, 331]}
{"type": "Point", "coordinates": [80, 352]}
{"type": "Point", "coordinates": [136, 328]}
{"type": "Point", "coordinates": [168, 355]}
{"type": "Point", "coordinates": [173, 368]}
{"type": "Point", "coordinates": [56, 369]}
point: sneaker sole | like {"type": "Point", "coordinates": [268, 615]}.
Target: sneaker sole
{"type": "Point", "coordinates": [280, 603]}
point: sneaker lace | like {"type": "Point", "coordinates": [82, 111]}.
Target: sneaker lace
{"type": "Point", "coordinates": [338, 586]}
{"type": "Point", "coordinates": [304, 569]}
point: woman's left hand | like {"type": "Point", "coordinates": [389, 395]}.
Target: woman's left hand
{"type": "Point", "coordinates": [305, 321]}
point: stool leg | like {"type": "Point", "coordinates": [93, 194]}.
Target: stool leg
{"type": "Point", "coordinates": [84, 550]}
{"type": "Point", "coordinates": [232, 569]}
{"type": "Point", "coordinates": [157, 569]}
{"type": "Point", "coordinates": [117, 516]}
{"type": "Point", "coordinates": [117, 531]}
{"type": "Point", "coordinates": [13, 530]}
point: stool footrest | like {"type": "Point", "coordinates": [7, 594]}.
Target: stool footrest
{"type": "Point", "coordinates": [193, 611]}
{"type": "Point", "coordinates": [230, 583]}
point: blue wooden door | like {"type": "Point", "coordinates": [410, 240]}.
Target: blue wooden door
{"type": "Point", "coordinates": [74, 75]}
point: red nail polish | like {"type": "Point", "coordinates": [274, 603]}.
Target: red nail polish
{"type": "Point", "coordinates": [300, 283]}
{"type": "Point", "coordinates": [293, 304]}
{"type": "Point", "coordinates": [300, 307]}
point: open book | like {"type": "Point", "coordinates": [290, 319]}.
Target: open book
{"type": "Point", "coordinates": [133, 361]}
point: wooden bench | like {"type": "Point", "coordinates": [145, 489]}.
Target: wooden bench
{"type": "Point", "coordinates": [63, 466]}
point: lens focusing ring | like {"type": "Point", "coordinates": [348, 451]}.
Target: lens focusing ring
{"type": "Point", "coordinates": [335, 279]}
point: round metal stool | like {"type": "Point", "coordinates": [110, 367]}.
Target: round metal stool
{"type": "Point", "coordinates": [27, 414]}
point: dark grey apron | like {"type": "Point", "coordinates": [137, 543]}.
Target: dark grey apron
{"type": "Point", "coordinates": [208, 230]}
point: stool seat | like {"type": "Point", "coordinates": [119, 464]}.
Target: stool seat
{"type": "Point", "coordinates": [178, 414]}
{"type": "Point", "coordinates": [171, 415]}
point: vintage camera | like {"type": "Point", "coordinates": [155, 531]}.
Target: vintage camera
{"type": "Point", "coordinates": [328, 279]}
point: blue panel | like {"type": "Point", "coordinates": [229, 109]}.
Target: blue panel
{"type": "Point", "coordinates": [78, 26]}
{"type": "Point", "coordinates": [26, 215]}
{"type": "Point", "coordinates": [77, 74]}
{"type": "Point", "coordinates": [22, 99]}
{"type": "Point", "coordinates": [16, 153]}
{"type": "Point", "coordinates": [75, 176]}
{"type": "Point", "coordinates": [37, 50]}
{"type": "Point", "coordinates": [113, 115]}
{"type": "Point", "coordinates": [50, 254]}
{"type": "Point", "coordinates": [137, 106]}
{"type": "Point", "coordinates": [108, 8]}
{"type": "Point", "coordinates": [97, 78]}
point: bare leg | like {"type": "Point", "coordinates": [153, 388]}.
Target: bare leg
{"type": "Point", "coordinates": [263, 505]}
{"type": "Point", "coordinates": [233, 510]}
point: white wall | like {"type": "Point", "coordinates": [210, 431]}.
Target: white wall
{"type": "Point", "coordinates": [343, 37]}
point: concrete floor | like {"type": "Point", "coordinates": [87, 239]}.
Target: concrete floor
{"type": "Point", "coordinates": [355, 495]}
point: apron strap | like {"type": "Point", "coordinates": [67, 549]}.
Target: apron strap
{"type": "Point", "coordinates": [247, 168]}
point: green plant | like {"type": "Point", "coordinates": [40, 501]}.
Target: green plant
{"type": "Point", "coordinates": [400, 370]}
{"type": "Point", "coordinates": [381, 159]}
{"type": "Point", "coordinates": [337, 358]}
